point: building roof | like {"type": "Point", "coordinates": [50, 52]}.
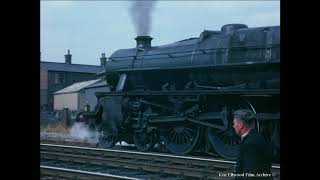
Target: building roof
{"type": "Point", "coordinates": [76, 87]}
{"type": "Point", "coordinates": [101, 83]}
{"type": "Point", "coordinates": [81, 68]}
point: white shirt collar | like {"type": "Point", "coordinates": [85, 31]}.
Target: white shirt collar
{"type": "Point", "coordinates": [244, 135]}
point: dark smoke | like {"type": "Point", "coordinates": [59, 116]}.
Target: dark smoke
{"type": "Point", "coordinates": [141, 15]}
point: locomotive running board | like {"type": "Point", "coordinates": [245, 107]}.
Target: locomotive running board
{"type": "Point", "coordinates": [212, 117]}
{"type": "Point", "coordinates": [267, 92]}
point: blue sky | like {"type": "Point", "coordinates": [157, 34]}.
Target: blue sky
{"type": "Point", "coordinates": [89, 28]}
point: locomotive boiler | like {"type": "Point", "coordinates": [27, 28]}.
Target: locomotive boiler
{"type": "Point", "coordinates": [183, 95]}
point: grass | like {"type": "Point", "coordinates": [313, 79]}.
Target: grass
{"type": "Point", "coordinates": [53, 127]}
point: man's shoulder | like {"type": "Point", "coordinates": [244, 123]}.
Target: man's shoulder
{"type": "Point", "coordinates": [254, 138]}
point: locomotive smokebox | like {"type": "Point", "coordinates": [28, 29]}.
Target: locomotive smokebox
{"type": "Point", "coordinates": [143, 41]}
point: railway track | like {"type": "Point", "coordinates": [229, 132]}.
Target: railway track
{"type": "Point", "coordinates": [137, 164]}
{"type": "Point", "coordinates": [68, 140]}
{"type": "Point", "coordinates": [69, 143]}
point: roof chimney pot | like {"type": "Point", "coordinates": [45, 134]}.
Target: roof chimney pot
{"type": "Point", "coordinates": [103, 60]}
{"type": "Point", "coordinates": [68, 57]}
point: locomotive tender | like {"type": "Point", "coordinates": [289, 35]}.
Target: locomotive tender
{"type": "Point", "coordinates": [182, 95]}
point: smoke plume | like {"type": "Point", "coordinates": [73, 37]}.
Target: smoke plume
{"type": "Point", "coordinates": [140, 12]}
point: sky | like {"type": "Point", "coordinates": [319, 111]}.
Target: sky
{"type": "Point", "coordinates": [90, 28]}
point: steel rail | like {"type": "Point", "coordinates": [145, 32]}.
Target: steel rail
{"type": "Point", "coordinates": [68, 142]}
{"type": "Point", "coordinates": [78, 174]}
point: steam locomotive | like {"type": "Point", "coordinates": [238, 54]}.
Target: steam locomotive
{"type": "Point", "coordinates": [183, 95]}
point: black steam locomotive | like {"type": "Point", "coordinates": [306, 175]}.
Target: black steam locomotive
{"type": "Point", "coordinates": [182, 95]}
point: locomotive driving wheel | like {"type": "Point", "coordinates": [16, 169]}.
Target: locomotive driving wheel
{"type": "Point", "coordinates": [180, 139]}
{"type": "Point", "coordinates": [225, 141]}
{"type": "Point", "coordinates": [144, 141]}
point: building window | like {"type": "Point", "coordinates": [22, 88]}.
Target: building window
{"type": "Point", "coordinates": [59, 78]}
{"type": "Point", "coordinates": [56, 78]}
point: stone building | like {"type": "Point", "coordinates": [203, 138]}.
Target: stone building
{"type": "Point", "coordinates": [55, 76]}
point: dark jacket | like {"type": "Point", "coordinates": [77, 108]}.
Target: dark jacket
{"type": "Point", "coordinates": [254, 157]}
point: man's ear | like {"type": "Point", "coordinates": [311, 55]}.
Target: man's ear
{"type": "Point", "coordinates": [241, 124]}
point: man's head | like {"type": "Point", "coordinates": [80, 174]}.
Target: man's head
{"type": "Point", "coordinates": [243, 121]}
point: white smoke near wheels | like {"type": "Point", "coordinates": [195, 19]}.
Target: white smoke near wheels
{"type": "Point", "coordinates": [81, 131]}
{"type": "Point", "coordinates": [141, 12]}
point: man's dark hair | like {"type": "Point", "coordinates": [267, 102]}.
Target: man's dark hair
{"type": "Point", "coordinates": [246, 115]}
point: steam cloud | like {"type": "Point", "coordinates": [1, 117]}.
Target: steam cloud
{"type": "Point", "coordinates": [81, 132]}
{"type": "Point", "coordinates": [141, 16]}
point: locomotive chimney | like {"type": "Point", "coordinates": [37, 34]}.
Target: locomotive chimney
{"type": "Point", "coordinates": [68, 57]}
{"type": "Point", "coordinates": [143, 41]}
